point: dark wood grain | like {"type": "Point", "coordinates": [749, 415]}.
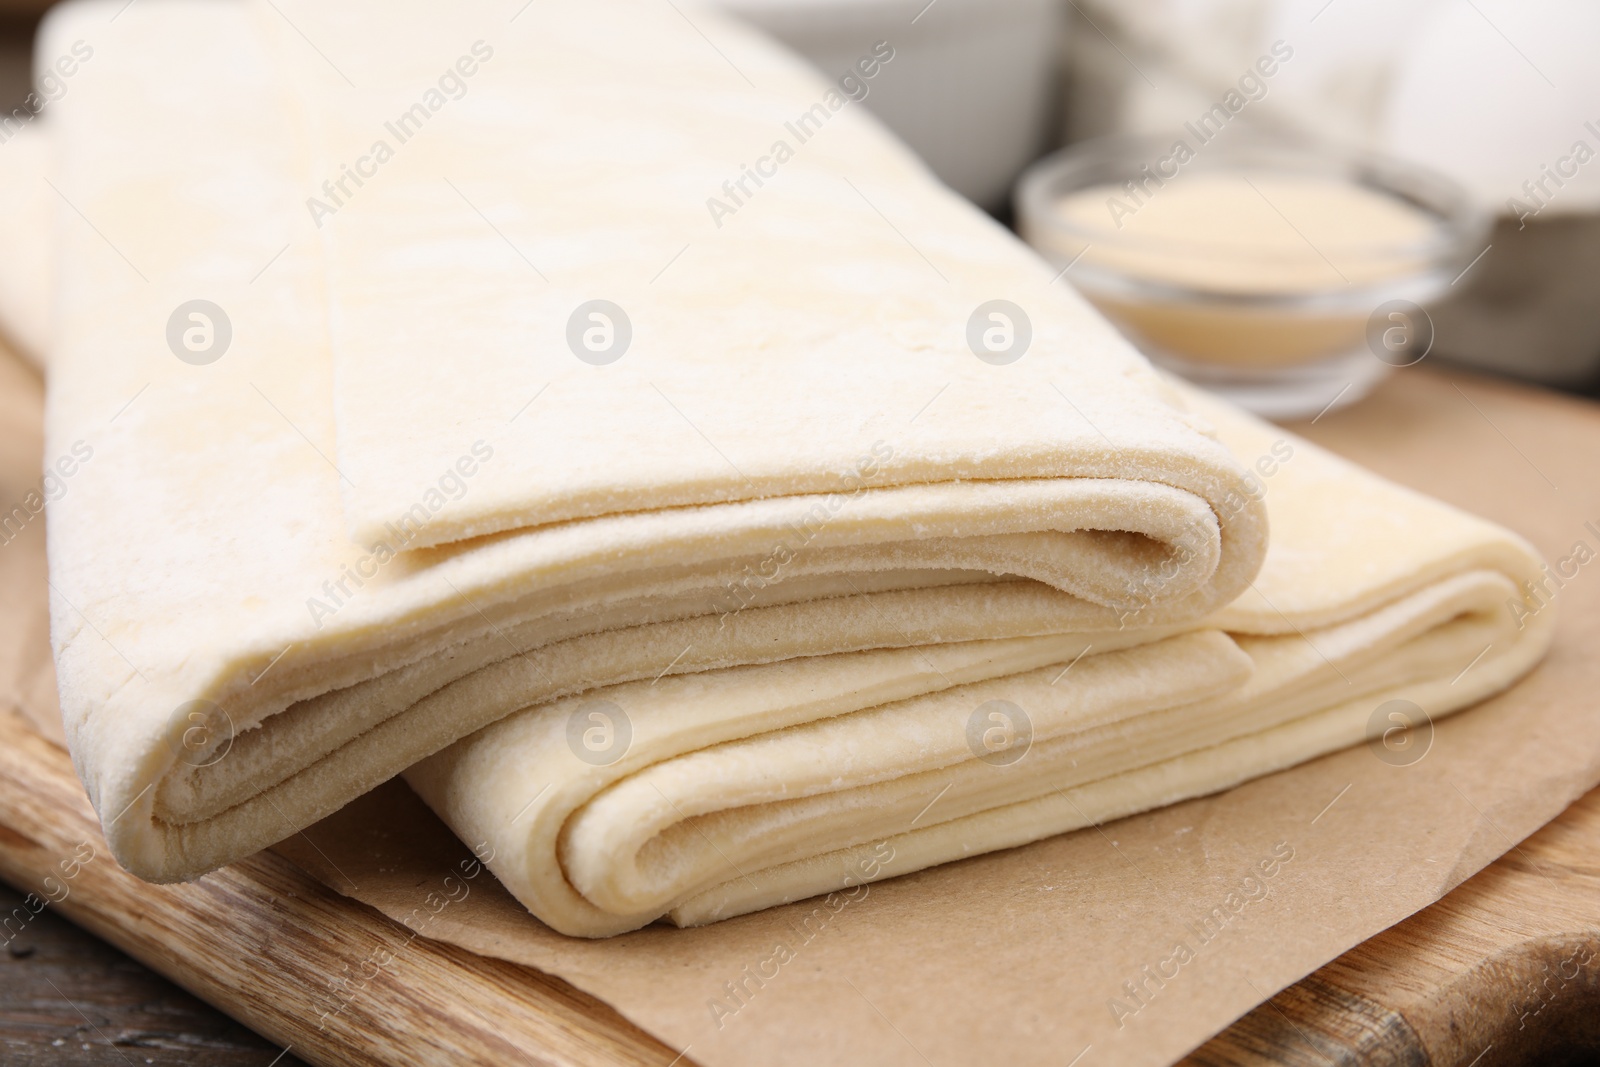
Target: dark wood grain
{"type": "Point", "coordinates": [66, 997]}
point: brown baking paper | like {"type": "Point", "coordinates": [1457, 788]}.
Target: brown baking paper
{"type": "Point", "coordinates": [1129, 943]}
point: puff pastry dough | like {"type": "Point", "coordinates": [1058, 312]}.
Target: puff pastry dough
{"type": "Point", "coordinates": [399, 506]}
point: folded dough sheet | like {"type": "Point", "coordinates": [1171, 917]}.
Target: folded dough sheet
{"type": "Point", "coordinates": [399, 506]}
{"type": "Point", "coordinates": [795, 591]}
{"type": "Point", "coordinates": [1377, 609]}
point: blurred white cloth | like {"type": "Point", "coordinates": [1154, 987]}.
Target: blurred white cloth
{"type": "Point", "coordinates": [1489, 92]}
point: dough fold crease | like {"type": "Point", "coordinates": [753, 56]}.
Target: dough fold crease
{"type": "Point", "coordinates": [1376, 612]}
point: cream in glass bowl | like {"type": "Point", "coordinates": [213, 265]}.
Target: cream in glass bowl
{"type": "Point", "coordinates": [1287, 277]}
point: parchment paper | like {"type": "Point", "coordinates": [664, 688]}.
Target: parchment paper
{"type": "Point", "coordinates": [1027, 956]}
{"type": "Point", "coordinates": [1125, 944]}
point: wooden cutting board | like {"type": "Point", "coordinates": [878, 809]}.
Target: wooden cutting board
{"type": "Point", "coordinates": [1506, 969]}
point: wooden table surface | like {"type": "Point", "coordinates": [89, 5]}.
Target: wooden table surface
{"type": "Point", "coordinates": [66, 997]}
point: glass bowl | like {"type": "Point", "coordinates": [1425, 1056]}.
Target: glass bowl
{"type": "Point", "coordinates": [1285, 276]}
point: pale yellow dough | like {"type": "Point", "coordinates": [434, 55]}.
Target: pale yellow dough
{"type": "Point", "coordinates": [728, 802]}
{"type": "Point", "coordinates": [799, 457]}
